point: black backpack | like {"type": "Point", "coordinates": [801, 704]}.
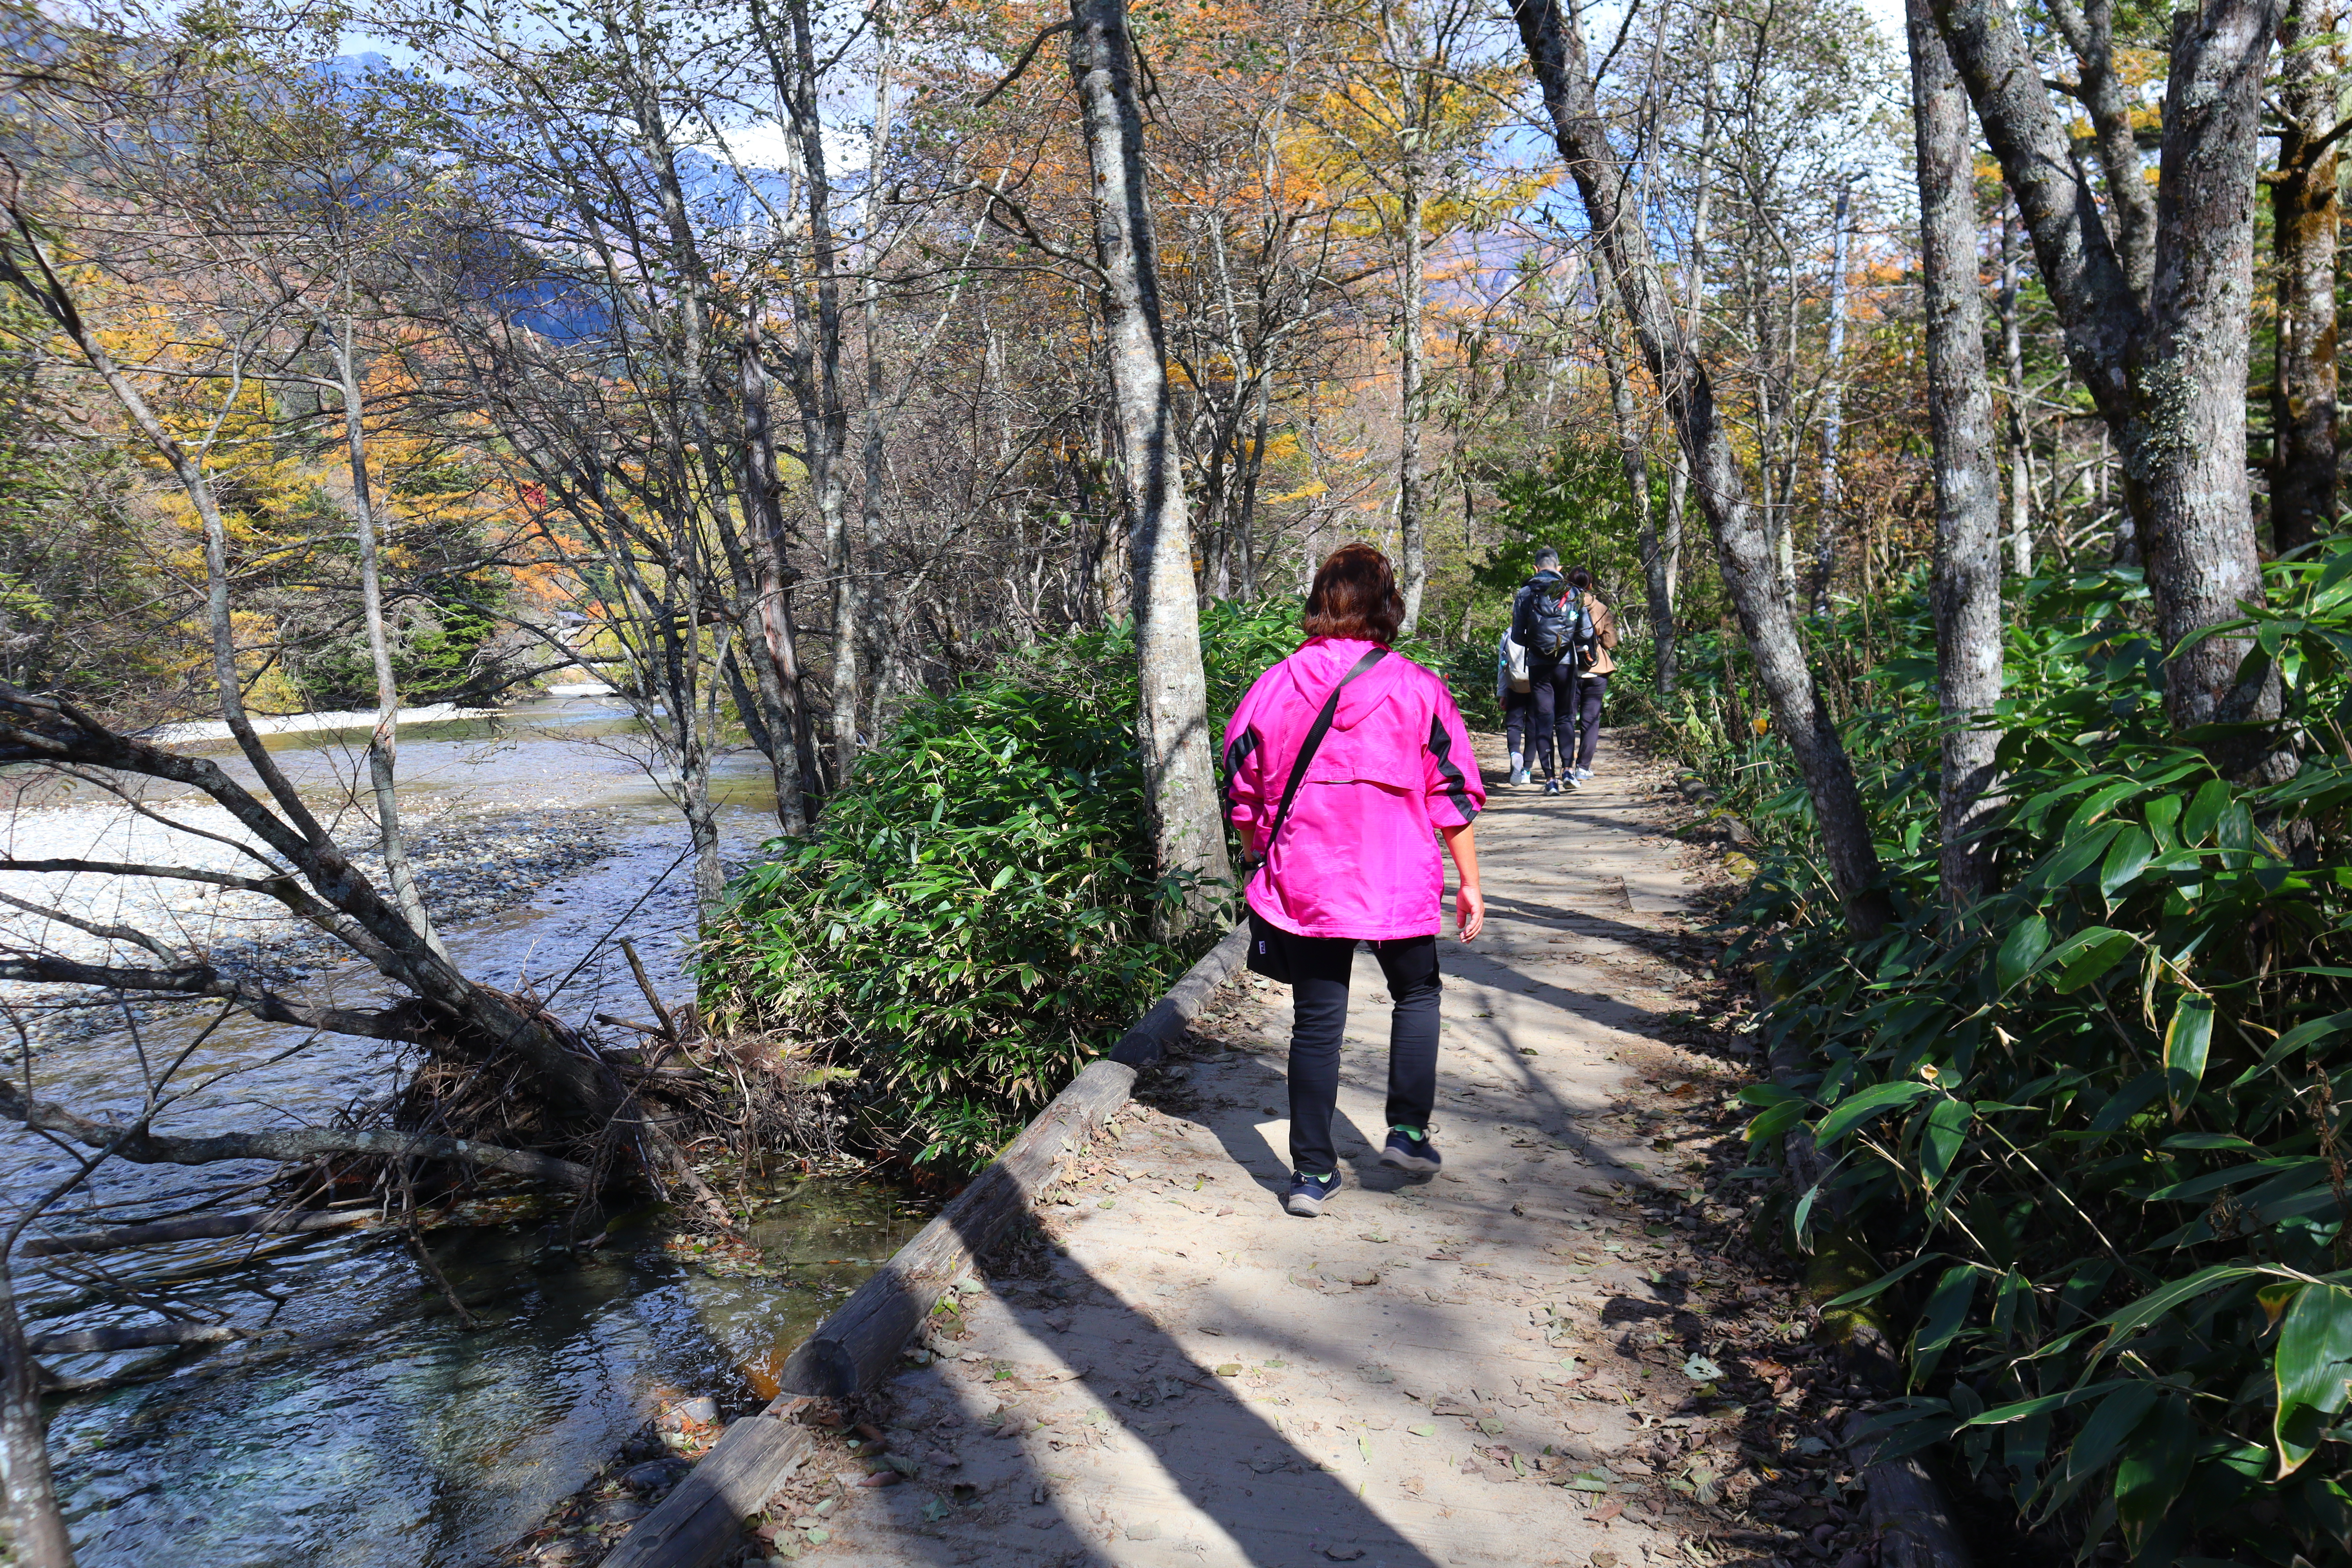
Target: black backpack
{"type": "Point", "coordinates": [1560, 630]}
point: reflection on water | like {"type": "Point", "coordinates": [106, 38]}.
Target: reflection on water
{"type": "Point", "coordinates": [418, 1442]}
{"type": "Point", "coordinates": [367, 1428]}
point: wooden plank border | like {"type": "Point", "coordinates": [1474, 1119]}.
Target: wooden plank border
{"type": "Point", "coordinates": [860, 1344]}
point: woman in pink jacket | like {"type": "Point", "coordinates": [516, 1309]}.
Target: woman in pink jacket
{"type": "Point", "coordinates": [1356, 857]}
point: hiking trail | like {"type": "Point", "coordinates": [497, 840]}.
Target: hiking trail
{"type": "Point", "coordinates": [1542, 1356]}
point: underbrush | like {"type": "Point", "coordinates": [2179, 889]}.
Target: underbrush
{"type": "Point", "coordinates": [970, 920]}
{"type": "Point", "coordinates": [2094, 1135]}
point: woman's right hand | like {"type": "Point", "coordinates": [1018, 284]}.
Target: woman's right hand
{"type": "Point", "coordinates": [1469, 912]}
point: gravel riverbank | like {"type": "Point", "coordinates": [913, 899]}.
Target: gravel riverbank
{"type": "Point", "coordinates": [470, 867]}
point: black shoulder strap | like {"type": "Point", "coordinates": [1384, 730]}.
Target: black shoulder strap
{"type": "Point", "coordinates": [1314, 738]}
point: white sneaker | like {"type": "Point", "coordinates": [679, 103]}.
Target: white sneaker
{"type": "Point", "coordinates": [1583, 773]}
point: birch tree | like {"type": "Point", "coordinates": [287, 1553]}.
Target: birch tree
{"type": "Point", "coordinates": [1555, 52]}
{"type": "Point", "coordinates": [1172, 724]}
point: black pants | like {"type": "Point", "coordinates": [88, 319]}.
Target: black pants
{"type": "Point", "coordinates": [1589, 690]}
{"type": "Point", "coordinates": [1516, 706]}
{"type": "Point", "coordinates": [1555, 695]}
{"type": "Point", "coordinates": [1319, 968]}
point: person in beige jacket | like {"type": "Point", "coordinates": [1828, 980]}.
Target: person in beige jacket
{"type": "Point", "coordinates": [1592, 680]}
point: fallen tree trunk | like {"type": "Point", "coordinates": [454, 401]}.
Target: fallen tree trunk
{"type": "Point", "coordinates": [137, 1337]}
{"type": "Point", "coordinates": [203, 1228]}
{"type": "Point", "coordinates": [291, 1144]}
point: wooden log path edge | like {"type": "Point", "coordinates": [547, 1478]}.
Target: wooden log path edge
{"type": "Point", "coordinates": [861, 1342]}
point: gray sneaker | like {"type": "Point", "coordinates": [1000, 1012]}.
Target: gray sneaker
{"type": "Point", "coordinates": [1520, 777]}
{"type": "Point", "coordinates": [1581, 774]}
{"type": "Point", "coordinates": [1308, 1194]}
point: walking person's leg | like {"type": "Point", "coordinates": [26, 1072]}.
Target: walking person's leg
{"type": "Point", "coordinates": [1543, 703]}
{"type": "Point", "coordinates": [1410, 966]}
{"type": "Point", "coordinates": [1591, 691]}
{"type": "Point", "coordinates": [1564, 721]}
{"type": "Point", "coordinates": [1319, 968]}
{"type": "Point", "coordinates": [1515, 731]}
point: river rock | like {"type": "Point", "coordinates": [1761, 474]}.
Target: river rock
{"type": "Point", "coordinates": [620, 1510]}
{"type": "Point", "coordinates": [704, 1409]}
{"type": "Point", "coordinates": [649, 1476]}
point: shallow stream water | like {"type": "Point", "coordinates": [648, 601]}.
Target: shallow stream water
{"type": "Point", "coordinates": [366, 1427]}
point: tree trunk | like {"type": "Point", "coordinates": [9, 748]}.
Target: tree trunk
{"type": "Point", "coordinates": [1173, 720]}
{"type": "Point", "coordinates": [815, 359]}
{"type": "Point", "coordinates": [2303, 221]}
{"type": "Point", "coordinates": [1556, 50]}
{"type": "Point", "coordinates": [35, 1527]}
{"type": "Point", "coordinates": [779, 673]}
{"type": "Point", "coordinates": [383, 743]}
{"type": "Point", "coordinates": [2190, 367]}
{"type": "Point", "coordinates": [2012, 351]}
{"type": "Point", "coordinates": [1657, 586]}
{"type": "Point", "coordinates": [2167, 371]}
{"type": "Point", "coordinates": [1832, 410]}
{"type": "Point", "coordinates": [1967, 582]}
{"type": "Point", "coordinates": [1414, 574]}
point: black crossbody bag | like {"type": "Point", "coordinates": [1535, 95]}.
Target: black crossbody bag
{"type": "Point", "coordinates": [1266, 954]}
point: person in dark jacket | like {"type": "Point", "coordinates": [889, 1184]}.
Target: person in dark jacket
{"type": "Point", "coordinates": [1544, 621]}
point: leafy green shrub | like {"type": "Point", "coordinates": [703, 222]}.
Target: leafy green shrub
{"type": "Point", "coordinates": [2094, 1134]}
{"type": "Point", "coordinates": [971, 920]}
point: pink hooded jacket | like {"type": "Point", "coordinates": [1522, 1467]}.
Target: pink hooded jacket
{"type": "Point", "coordinates": [1359, 856]}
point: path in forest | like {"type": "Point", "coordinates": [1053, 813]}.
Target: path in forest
{"type": "Point", "coordinates": [1481, 1369]}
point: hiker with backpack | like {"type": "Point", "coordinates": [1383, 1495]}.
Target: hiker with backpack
{"type": "Point", "coordinates": [1344, 766]}
{"type": "Point", "coordinates": [1514, 695]}
{"type": "Point", "coordinates": [1551, 619]}
{"type": "Point", "coordinates": [1592, 679]}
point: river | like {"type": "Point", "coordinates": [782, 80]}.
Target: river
{"type": "Point", "coordinates": [364, 1428]}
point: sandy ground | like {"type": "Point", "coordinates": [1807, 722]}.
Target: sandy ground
{"type": "Point", "coordinates": [1516, 1362]}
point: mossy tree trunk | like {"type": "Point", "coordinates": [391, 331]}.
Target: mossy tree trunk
{"type": "Point", "coordinates": [1967, 582]}
{"type": "Point", "coordinates": [2165, 360]}
{"type": "Point", "coordinates": [2303, 225]}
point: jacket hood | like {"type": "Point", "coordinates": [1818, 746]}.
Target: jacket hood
{"type": "Point", "coordinates": [1321, 662]}
{"type": "Point", "coordinates": [1545, 579]}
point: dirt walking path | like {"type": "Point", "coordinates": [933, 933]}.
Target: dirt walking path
{"type": "Point", "coordinates": [1544, 1356]}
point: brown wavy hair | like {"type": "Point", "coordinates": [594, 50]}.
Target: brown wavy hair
{"type": "Point", "coordinates": [1355, 595]}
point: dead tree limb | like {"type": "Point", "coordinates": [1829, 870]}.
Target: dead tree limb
{"type": "Point", "coordinates": [201, 1227]}
{"type": "Point", "coordinates": [290, 1144]}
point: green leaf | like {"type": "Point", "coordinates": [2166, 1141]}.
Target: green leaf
{"type": "Point", "coordinates": [1940, 1319]}
{"type": "Point", "coordinates": [2186, 1041]}
{"type": "Point", "coordinates": [2086, 956]}
{"type": "Point", "coordinates": [2074, 857]}
{"type": "Point", "coordinates": [2313, 1371]}
{"type": "Point", "coordinates": [2127, 858]}
{"type": "Point", "coordinates": [1772, 1124]}
{"type": "Point", "coordinates": [1942, 1139]}
{"type": "Point", "coordinates": [1865, 1292]}
{"type": "Point", "coordinates": [2106, 1432]}
{"type": "Point", "coordinates": [2020, 950]}
{"type": "Point", "coordinates": [1860, 1108]}
{"type": "Point", "coordinates": [2155, 1467]}
{"type": "Point", "coordinates": [2028, 1409]}
{"type": "Point", "coordinates": [2204, 811]}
